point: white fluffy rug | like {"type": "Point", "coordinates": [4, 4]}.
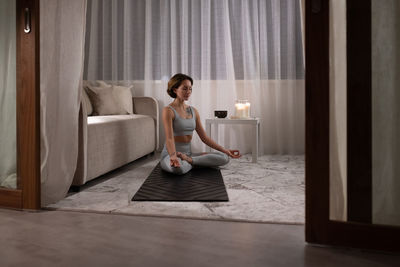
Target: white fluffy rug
{"type": "Point", "coordinates": [271, 190]}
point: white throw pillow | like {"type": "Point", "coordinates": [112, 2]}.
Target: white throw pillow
{"type": "Point", "coordinates": [104, 101]}
{"type": "Point", "coordinates": [102, 83]}
{"type": "Point", "coordinates": [123, 95]}
{"type": "Point", "coordinates": [86, 102]}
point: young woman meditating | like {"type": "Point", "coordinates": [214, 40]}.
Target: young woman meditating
{"type": "Point", "coordinates": [180, 120]}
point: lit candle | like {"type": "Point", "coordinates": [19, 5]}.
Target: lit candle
{"type": "Point", "coordinates": [242, 108]}
{"type": "Point", "coordinates": [247, 110]}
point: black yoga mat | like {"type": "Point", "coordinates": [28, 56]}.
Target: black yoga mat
{"type": "Point", "coordinates": [199, 184]}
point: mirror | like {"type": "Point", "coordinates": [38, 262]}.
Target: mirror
{"type": "Point", "coordinates": [8, 138]}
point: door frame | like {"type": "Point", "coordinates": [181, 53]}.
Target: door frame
{"type": "Point", "coordinates": [27, 194]}
{"type": "Point", "coordinates": [319, 228]}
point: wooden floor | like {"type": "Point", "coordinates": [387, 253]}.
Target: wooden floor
{"type": "Point", "coordinates": [55, 238]}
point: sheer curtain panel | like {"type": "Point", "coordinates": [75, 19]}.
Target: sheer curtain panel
{"type": "Point", "coordinates": [234, 49]}
{"type": "Point", "coordinates": [62, 31]}
{"type": "Point", "coordinates": [8, 90]}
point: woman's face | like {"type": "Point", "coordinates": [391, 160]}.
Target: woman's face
{"type": "Point", "coordinates": [184, 91]}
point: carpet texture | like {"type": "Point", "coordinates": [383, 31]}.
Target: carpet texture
{"type": "Point", "coordinates": [200, 184]}
{"type": "Point", "coordinates": [271, 190]}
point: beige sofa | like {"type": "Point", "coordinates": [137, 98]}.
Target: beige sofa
{"type": "Point", "coordinates": [111, 141]}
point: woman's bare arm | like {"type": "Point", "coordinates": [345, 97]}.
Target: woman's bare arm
{"type": "Point", "coordinates": [211, 143]}
{"type": "Point", "coordinates": [203, 135]}
{"type": "Point", "coordinates": [167, 117]}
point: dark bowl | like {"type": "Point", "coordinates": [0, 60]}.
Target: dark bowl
{"type": "Point", "coordinates": [221, 113]}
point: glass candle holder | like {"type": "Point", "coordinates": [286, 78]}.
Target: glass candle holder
{"type": "Point", "coordinates": [242, 109]}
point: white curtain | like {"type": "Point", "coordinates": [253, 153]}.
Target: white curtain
{"type": "Point", "coordinates": [62, 31]}
{"type": "Point", "coordinates": [385, 112]}
{"type": "Point", "coordinates": [8, 88]}
{"type": "Point", "coordinates": [337, 111]}
{"type": "Point", "coordinates": [234, 49]}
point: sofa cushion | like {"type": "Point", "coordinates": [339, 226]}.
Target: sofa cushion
{"type": "Point", "coordinates": [103, 101]}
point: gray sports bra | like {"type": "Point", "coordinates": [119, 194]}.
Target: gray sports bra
{"type": "Point", "coordinates": [182, 126]}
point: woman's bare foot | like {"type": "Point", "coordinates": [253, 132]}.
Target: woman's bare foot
{"type": "Point", "coordinates": [183, 156]}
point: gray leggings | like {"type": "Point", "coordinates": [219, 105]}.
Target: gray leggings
{"type": "Point", "coordinates": [213, 159]}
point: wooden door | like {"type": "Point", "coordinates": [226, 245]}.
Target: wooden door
{"type": "Point", "coordinates": [358, 228]}
{"type": "Point", "coordinates": [27, 193]}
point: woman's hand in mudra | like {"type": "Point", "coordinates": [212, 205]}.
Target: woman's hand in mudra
{"type": "Point", "coordinates": [173, 160]}
{"type": "Point", "coordinates": [233, 153]}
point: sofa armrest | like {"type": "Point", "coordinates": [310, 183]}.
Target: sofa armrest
{"type": "Point", "coordinates": [145, 105]}
{"type": "Point", "coordinates": [81, 167]}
